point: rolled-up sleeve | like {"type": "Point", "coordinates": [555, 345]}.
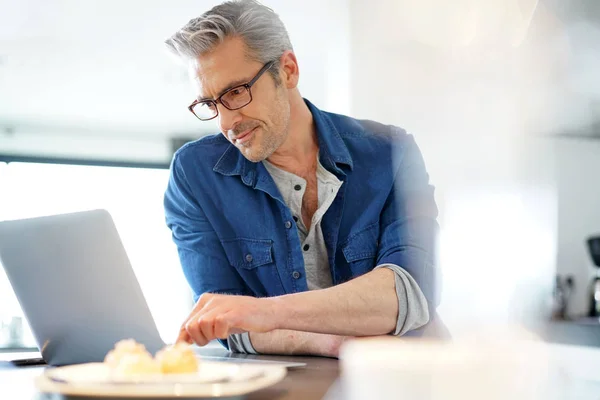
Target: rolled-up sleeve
{"type": "Point", "coordinates": [240, 343]}
{"type": "Point", "coordinates": [408, 222]}
{"type": "Point", "coordinates": [413, 312]}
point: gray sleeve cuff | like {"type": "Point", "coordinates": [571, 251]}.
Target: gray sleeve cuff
{"type": "Point", "coordinates": [240, 343]}
{"type": "Point", "coordinates": [413, 312]}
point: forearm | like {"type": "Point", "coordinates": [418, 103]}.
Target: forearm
{"type": "Point", "coordinates": [296, 343]}
{"type": "Point", "coordinates": [365, 306]}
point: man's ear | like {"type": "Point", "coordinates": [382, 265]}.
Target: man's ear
{"type": "Point", "coordinates": [289, 71]}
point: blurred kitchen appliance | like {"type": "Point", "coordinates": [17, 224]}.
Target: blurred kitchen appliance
{"type": "Point", "coordinates": [594, 249]}
{"type": "Point", "coordinates": [563, 290]}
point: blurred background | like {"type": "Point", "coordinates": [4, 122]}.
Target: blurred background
{"type": "Point", "coordinates": [503, 97]}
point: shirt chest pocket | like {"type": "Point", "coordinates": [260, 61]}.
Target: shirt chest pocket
{"type": "Point", "coordinates": [360, 249]}
{"type": "Point", "coordinates": [248, 253]}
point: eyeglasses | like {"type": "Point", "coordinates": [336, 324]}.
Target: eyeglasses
{"type": "Point", "coordinates": [233, 99]}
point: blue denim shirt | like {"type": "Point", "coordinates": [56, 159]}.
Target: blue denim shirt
{"type": "Point", "coordinates": [235, 234]}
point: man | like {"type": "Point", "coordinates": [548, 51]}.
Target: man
{"type": "Point", "coordinates": [296, 228]}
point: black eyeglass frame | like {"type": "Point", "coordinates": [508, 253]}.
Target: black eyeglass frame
{"type": "Point", "coordinates": [247, 86]}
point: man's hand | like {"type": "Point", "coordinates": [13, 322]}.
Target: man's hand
{"type": "Point", "coordinates": [217, 316]}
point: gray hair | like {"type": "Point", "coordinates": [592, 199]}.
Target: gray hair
{"type": "Point", "coordinates": [259, 26]}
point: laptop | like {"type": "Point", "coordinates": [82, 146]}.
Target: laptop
{"type": "Point", "coordinates": [75, 285]}
{"type": "Point", "coordinates": [78, 291]}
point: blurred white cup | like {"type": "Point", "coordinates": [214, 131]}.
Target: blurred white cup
{"type": "Point", "coordinates": [505, 366]}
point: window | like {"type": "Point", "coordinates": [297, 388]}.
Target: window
{"type": "Point", "coordinates": [134, 198]}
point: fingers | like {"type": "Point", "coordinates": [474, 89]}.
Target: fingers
{"type": "Point", "coordinates": [204, 327]}
{"type": "Point", "coordinates": [222, 326]}
{"type": "Point", "coordinates": [216, 317]}
{"type": "Point", "coordinates": [195, 332]}
{"type": "Point", "coordinates": [184, 335]}
{"type": "Point", "coordinates": [214, 324]}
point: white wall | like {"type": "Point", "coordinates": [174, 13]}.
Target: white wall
{"type": "Point", "coordinates": [481, 94]}
{"type": "Point", "coordinates": [578, 163]}
{"type": "Point", "coordinates": [475, 105]}
{"type": "Point", "coordinates": [96, 81]}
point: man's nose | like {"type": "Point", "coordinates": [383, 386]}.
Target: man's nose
{"type": "Point", "coordinates": [228, 119]}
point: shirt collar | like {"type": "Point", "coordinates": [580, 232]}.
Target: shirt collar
{"type": "Point", "coordinates": [333, 152]}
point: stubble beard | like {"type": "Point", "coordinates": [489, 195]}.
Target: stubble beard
{"type": "Point", "coordinates": [271, 141]}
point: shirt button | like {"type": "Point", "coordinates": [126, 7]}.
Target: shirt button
{"type": "Point", "coordinates": [249, 257]}
{"type": "Point", "coordinates": [297, 187]}
{"type": "Point", "coordinates": [306, 247]}
{"type": "Point", "coordinates": [296, 275]}
{"type": "Point", "coordinates": [288, 224]}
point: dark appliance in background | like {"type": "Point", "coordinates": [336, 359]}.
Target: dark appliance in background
{"type": "Point", "coordinates": [594, 248]}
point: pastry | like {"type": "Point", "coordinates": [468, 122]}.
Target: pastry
{"type": "Point", "coordinates": [129, 358]}
{"type": "Point", "coordinates": [133, 364]}
{"type": "Point", "coordinates": [122, 348]}
{"type": "Point", "coordinates": [177, 359]}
